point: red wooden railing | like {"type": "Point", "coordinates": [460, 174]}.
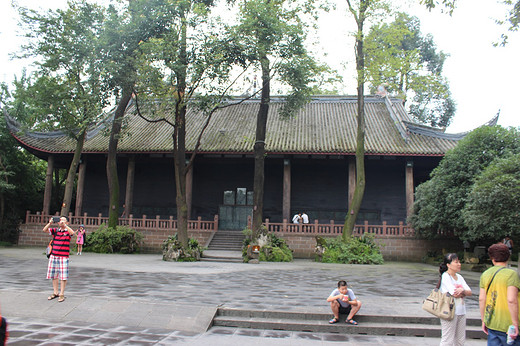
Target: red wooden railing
{"type": "Point", "coordinates": [136, 223]}
{"type": "Point", "coordinates": [330, 228]}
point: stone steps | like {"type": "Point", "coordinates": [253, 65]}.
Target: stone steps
{"type": "Point", "coordinates": [227, 240]}
{"type": "Point", "coordinates": [222, 256]}
{"type": "Point", "coordinates": [318, 323]}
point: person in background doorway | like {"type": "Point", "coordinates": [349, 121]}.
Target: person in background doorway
{"type": "Point", "coordinates": [305, 217]}
{"type": "Point", "coordinates": [297, 218]}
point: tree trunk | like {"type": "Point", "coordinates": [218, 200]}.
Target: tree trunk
{"type": "Point", "coordinates": [113, 181]}
{"type": "Point", "coordinates": [179, 145]}
{"type": "Point", "coordinates": [71, 175]}
{"type": "Point", "coordinates": [259, 149]}
{"type": "Point", "coordinates": [359, 191]}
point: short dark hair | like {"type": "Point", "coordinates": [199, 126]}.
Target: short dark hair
{"type": "Point", "coordinates": [499, 252]}
{"type": "Point", "coordinates": [342, 283]}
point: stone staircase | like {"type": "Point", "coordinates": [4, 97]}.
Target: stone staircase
{"type": "Point", "coordinates": [227, 240]}
{"type": "Point", "coordinates": [318, 323]}
{"type": "Point", "coordinates": [225, 246]}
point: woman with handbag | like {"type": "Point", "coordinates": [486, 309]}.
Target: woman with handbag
{"type": "Point", "coordinates": [454, 331]}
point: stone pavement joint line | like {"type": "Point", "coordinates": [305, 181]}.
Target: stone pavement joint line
{"type": "Point", "coordinates": [142, 300]}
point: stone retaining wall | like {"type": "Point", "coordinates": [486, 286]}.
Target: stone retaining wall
{"type": "Point", "coordinates": [395, 248]}
{"type": "Point", "coordinates": [32, 235]}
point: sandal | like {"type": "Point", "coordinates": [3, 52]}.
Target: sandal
{"type": "Point", "coordinates": [53, 296]}
{"type": "Point", "coordinates": [62, 298]}
{"type": "Point", "coordinates": [334, 320]}
{"type": "Point", "coordinates": [351, 321]}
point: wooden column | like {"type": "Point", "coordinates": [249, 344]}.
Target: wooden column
{"type": "Point", "coordinates": [189, 188]}
{"type": "Point", "coordinates": [409, 187]}
{"type": "Point", "coordinates": [351, 179]}
{"type": "Point", "coordinates": [286, 198]}
{"type": "Point", "coordinates": [129, 195]}
{"type": "Point", "coordinates": [80, 189]}
{"type": "Point", "coordinates": [48, 186]}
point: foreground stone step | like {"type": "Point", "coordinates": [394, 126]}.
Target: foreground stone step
{"type": "Point", "coordinates": [318, 322]}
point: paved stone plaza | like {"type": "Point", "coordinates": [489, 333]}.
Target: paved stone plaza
{"type": "Point", "coordinates": [142, 300]}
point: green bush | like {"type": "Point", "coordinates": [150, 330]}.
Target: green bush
{"type": "Point", "coordinates": [362, 250]}
{"type": "Point", "coordinates": [109, 240]}
{"type": "Point", "coordinates": [273, 249]}
{"type": "Point", "coordinates": [173, 250]}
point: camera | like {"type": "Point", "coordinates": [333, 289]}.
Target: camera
{"type": "Point", "coordinates": [55, 219]}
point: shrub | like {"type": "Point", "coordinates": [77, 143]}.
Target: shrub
{"type": "Point", "coordinates": [362, 250]}
{"type": "Point", "coordinates": [173, 250]}
{"type": "Point", "coordinates": [272, 248]}
{"type": "Point", "coordinates": [109, 240]}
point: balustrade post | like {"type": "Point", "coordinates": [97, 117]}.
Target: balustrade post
{"type": "Point", "coordinates": [99, 220]}
{"type": "Point", "coordinates": [332, 227]}
{"type": "Point", "coordinates": [284, 225]}
{"type": "Point", "coordinates": [199, 222]}
{"type": "Point", "coordinates": [27, 216]}
{"type": "Point", "coordinates": [267, 224]}
{"type": "Point", "coordinates": [385, 230]}
{"type": "Point", "coordinates": [84, 219]}
{"type": "Point", "coordinates": [157, 221]}
{"type": "Point", "coordinates": [215, 223]}
{"type": "Point", "coordinates": [401, 231]}
{"type": "Point", "coordinates": [366, 227]}
{"type": "Point", "coordinates": [144, 221]}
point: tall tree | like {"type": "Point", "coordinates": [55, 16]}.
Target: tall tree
{"type": "Point", "coordinates": [125, 30]}
{"type": "Point", "coordinates": [274, 35]}
{"type": "Point", "coordinates": [361, 11]}
{"type": "Point", "coordinates": [188, 66]}
{"type": "Point", "coordinates": [68, 91]}
{"type": "Point", "coordinates": [408, 64]}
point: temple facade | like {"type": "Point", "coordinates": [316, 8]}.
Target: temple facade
{"type": "Point", "coordinates": [309, 167]}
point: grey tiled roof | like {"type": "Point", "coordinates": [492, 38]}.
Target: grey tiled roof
{"type": "Point", "coordinates": [326, 125]}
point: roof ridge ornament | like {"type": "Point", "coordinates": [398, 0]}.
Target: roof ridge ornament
{"type": "Point", "coordinates": [398, 122]}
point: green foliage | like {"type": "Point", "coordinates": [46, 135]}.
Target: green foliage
{"type": "Point", "coordinates": [493, 205]}
{"type": "Point", "coordinates": [272, 248]}
{"type": "Point", "coordinates": [276, 250]}
{"type": "Point", "coordinates": [109, 240]}
{"type": "Point", "coordinates": [407, 64]}
{"type": "Point", "coordinates": [22, 181]}
{"type": "Point", "coordinates": [172, 246]}
{"type": "Point", "coordinates": [362, 250]}
{"type": "Point", "coordinates": [439, 202]}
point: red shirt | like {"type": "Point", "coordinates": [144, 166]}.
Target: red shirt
{"type": "Point", "coordinates": [61, 242]}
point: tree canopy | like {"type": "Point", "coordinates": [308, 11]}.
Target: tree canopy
{"type": "Point", "coordinates": [440, 201]}
{"type": "Point", "coordinates": [408, 64]}
{"type": "Point", "coordinates": [493, 206]}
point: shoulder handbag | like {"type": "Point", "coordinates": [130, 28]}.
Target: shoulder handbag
{"type": "Point", "coordinates": [439, 304]}
{"type": "Point", "coordinates": [48, 251]}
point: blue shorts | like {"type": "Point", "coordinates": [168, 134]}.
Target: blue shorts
{"type": "Point", "coordinates": [498, 338]}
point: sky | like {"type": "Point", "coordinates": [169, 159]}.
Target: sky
{"type": "Point", "coordinates": [483, 78]}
